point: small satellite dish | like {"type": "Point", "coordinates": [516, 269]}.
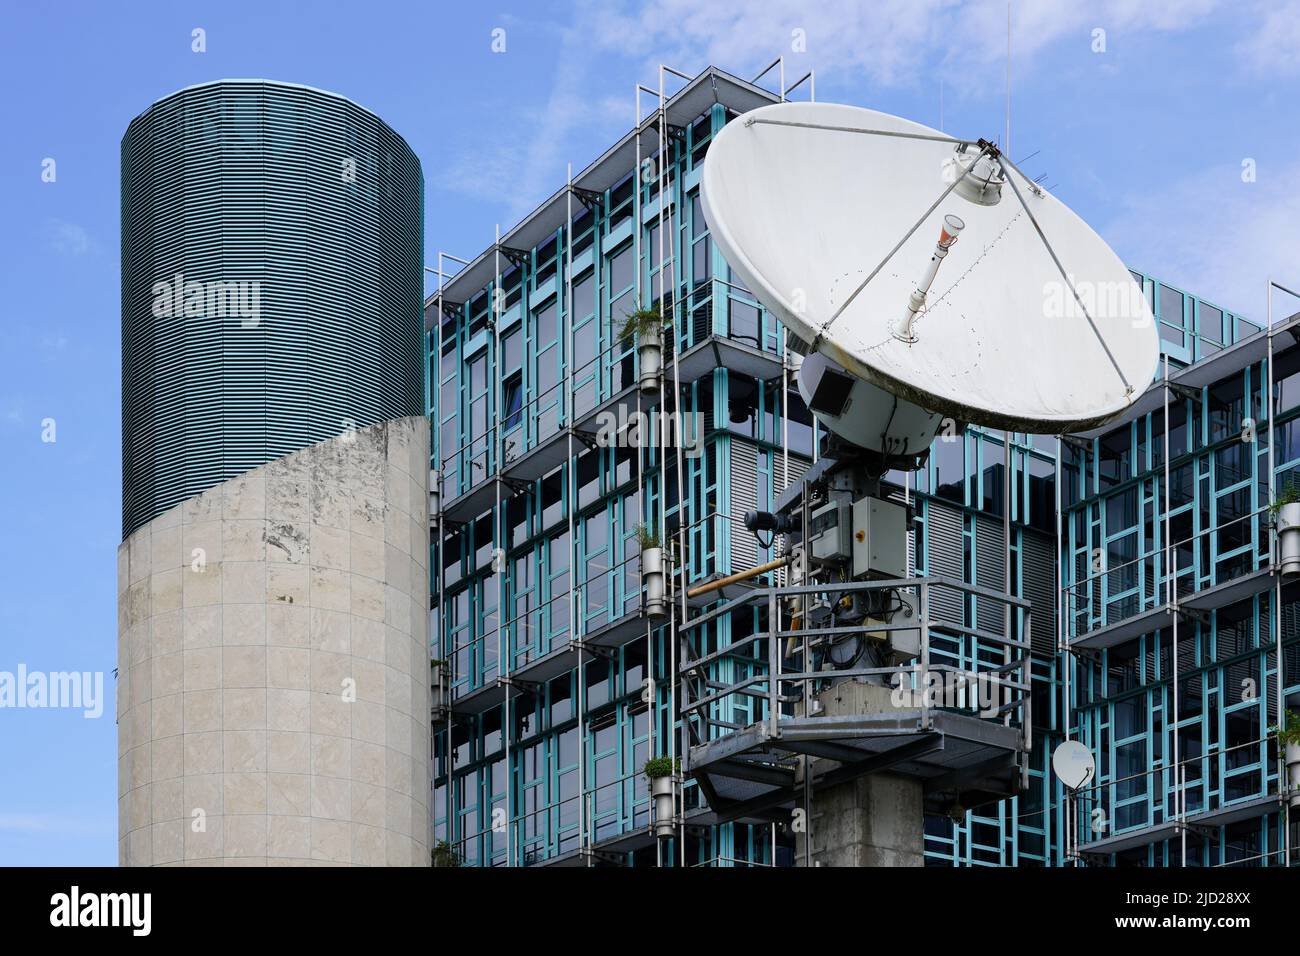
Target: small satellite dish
{"type": "Point", "coordinates": [928, 275]}
{"type": "Point", "coordinates": [1073, 764]}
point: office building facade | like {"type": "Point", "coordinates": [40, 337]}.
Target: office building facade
{"type": "Point", "coordinates": [560, 446]}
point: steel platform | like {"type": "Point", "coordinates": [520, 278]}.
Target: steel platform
{"type": "Point", "coordinates": [961, 759]}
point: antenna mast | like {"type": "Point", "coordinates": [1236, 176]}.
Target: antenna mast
{"type": "Point", "coordinates": [1006, 148]}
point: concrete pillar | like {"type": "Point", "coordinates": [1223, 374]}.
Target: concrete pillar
{"type": "Point", "coordinates": [873, 820]}
{"type": "Point", "coordinates": [273, 652]}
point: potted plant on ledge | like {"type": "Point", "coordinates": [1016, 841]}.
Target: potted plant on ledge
{"type": "Point", "coordinates": [438, 688]}
{"type": "Point", "coordinates": [652, 572]}
{"type": "Point", "coordinates": [1286, 515]}
{"type": "Point", "coordinates": [644, 326]}
{"type": "Point", "coordinates": [443, 855]}
{"type": "Point", "coordinates": [1288, 742]}
{"type": "Point", "coordinates": [662, 774]}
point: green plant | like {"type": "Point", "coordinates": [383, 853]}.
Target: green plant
{"type": "Point", "coordinates": [657, 767]}
{"type": "Point", "coordinates": [1285, 496]}
{"type": "Point", "coordinates": [444, 855]}
{"type": "Point", "coordinates": [639, 324]}
{"type": "Point", "coordinates": [1289, 733]}
{"type": "Point", "coordinates": [646, 538]}
{"type": "Point", "coordinates": [437, 662]}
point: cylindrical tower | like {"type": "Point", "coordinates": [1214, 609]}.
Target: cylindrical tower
{"type": "Point", "coordinates": [273, 695]}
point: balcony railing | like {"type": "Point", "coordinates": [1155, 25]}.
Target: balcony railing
{"type": "Point", "coordinates": [1120, 593]}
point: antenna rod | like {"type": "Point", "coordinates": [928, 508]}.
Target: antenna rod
{"type": "Point", "coordinates": [759, 120]}
{"type": "Point", "coordinates": [952, 226]}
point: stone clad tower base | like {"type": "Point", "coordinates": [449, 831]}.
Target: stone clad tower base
{"type": "Point", "coordinates": [273, 664]}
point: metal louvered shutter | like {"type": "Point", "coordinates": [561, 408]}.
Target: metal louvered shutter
{"type": "Point", "coordinates": [239, 187]}
{"type": "Point", "coordinates": [990, 572]}
{"type": "Point", "coordinates": [945, 548]}
{"type": "Point", "coordinates": [744, 497]}
{"type": "Point", "coordinates": [1038, 586]}
{"type": "Point", "coordinates": [797, 468]}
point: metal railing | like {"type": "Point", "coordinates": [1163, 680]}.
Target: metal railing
{"type": "Point", "coordinates": [466, 466]}
{"type": "Point", "coordinates": [1149, 587]}
{"type": "Point", "coordinates": [783, 669]}
{"type": "Point", "coordinates": [1154, 793]}
{"type": "Point", "coordinates": [475, 661]}
{"type": "Point", "coordinates": [617, 808]}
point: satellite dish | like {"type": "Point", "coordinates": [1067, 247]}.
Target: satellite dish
{"type": "Point", "coordinates": [925, 277]}
{"type": "Point", "coordinates": [1073, 764]}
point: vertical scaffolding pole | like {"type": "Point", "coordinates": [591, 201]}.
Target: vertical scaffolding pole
{"type": "Point", "coordinates": [644, 505]}
{"type": "Point", "coordinates": [498, 526]}
{"type": "Point", "coordinates": [678, 815]}
{"type": "Point", "coordinates": [785, 417]}
{"type": "Point", "coordinates": [441, 538]}
{"type": "Point", "coordinates": [1285, 835]}
{"type": "Point", "coordinates": [577, 620]}
{"type": "Point", "coordinates": [1006, 569]}
{"type": "Point", "coordinates": [434, 442]}
{"type": "Point", "coordinates": [783, 575]}
{"type": "Point", "coordinates": [1171, 602]}
{"type": "Point", "coordinates": [805, 666]}
{"type": "Point", "coordinates": [1064, 653]}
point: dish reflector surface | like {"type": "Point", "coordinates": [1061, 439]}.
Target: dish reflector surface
{"type": "Point", "coordinates": [805, 215]}
{"type": "Point", "coordinates": [1073, 764]}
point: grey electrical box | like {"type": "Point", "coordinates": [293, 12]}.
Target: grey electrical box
{"type": "Point", "coordinates": [902, 645]}
{"type": "Point", "coordinates": [905, 645]}
{"type": "Point", "coordinates": [829, 537]}
{"type": "Point", "coordinates": [879, 539]}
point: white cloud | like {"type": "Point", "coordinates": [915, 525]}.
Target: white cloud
{"type": "Point", "coordinates": [55, 342]}
{"type": "Point", "coordinates": [1217, 236]}
{"type": "Point", "coordinates": [68, 238]}
{"type": "Point", "coordinates": [893, 42]}
{"type": "Point", "coordinates": [36, 823]}
{"type": "Point", "coordinates": [897, 43]}
{"type": "Point", "coordinates": [1271, 49]}
{"type": "Point", "coordinates": [529, 154]}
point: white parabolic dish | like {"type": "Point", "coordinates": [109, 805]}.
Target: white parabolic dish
{"type": "Point", "coordinates": [805, 215]}
{"type": "Point", "coordinates": [1073, 764]}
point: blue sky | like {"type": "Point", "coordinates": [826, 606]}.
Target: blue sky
{"type": "Point", "coordinates": [1145, 139]}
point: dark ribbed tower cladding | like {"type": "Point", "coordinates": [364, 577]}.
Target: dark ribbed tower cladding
{"type": "Point", "coordinates": [271, 283]}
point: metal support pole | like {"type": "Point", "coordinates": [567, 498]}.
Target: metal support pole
{"type": "Point", "coordinates": [1171, 601]}
{"type": "Point", "coordinates": [664, 180]}
{"type": "Point", "coordinates": [805, 666]}
{"type": "Point", "coordinates": [773, 663]}
{"type": "Point", "coordinates": [1065, 653]}
{"type": "Point", "coordinates": [434, 433]}
{"type": "Point", "coordinates": [1276, 616]}
{"type": "Point", "coordinates": [498, 539]}
{"type": "Point", "coordinates": [1008, 583]}
{"type": "Point", "coordinates": [926, 717]}
{"type": "Point", "coordinates": [577, 623]}
{"type": "Point", "coordinates": [639, 185]}
{"type": "Point", "coordinates": [442, 540]}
